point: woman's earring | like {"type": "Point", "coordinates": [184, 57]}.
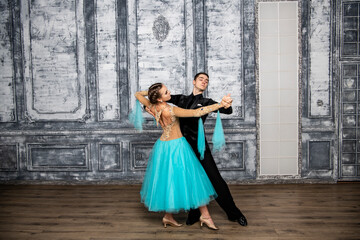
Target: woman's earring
{"type": "Point", "coordinates": [160, 100]}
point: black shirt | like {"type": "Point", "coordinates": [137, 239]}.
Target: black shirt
{"type": "Point", "coordinates": [189, 126]}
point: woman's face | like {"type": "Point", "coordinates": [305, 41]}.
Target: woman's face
{"type": "Point", "coordinates": [165, 94]}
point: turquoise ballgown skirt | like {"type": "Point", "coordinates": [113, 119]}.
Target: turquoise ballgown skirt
{"type": "Point", "coordinates": [175, 180]}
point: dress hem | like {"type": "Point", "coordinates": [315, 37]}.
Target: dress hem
{"type": "Point", "coordinates": [181, 209]}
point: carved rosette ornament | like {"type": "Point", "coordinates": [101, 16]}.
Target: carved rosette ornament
{"type": "Point", "coordinates": [161, 28]}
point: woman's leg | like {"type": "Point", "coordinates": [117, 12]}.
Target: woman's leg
{"type": "Point", "coordinates": [169, 216]}
{"type": "Point", "coordinates": [204, 211]}
{"type": "Point", "coordinates": [206, 218]}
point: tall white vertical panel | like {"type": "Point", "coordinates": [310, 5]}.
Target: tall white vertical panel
{"type": "Point", "coordinates": [278, 87]}
{"type": "Point", "coordinates": [108, 87]}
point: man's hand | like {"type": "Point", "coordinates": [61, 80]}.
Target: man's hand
{"type": "Point", "coordinates": [227, 101]}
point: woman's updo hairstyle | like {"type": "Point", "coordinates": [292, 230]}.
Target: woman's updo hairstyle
{"type": "Point", "coordinates": [153, 92]}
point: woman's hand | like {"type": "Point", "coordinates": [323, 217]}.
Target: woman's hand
{"type": "Point", "coordinates": [148, 110]}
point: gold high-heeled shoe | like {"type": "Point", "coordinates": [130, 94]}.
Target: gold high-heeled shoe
{"type": "Point", "coordinates": [166, 221]}
{"type": "Point", "coordinates": [207, 223]}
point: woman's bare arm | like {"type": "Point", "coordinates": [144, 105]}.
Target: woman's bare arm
{"type": "Point", "coordinates": [141, 97]}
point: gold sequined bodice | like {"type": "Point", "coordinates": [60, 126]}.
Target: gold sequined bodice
{"type": "Point", "coordinates": [169, 123]}
{"type": "Point", "coordinates": [168, 117]}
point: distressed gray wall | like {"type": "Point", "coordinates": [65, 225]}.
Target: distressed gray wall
{"type": "Point", "coordinates": [318, 122]}
{"type": "Point", "coordinates": [69, 70]}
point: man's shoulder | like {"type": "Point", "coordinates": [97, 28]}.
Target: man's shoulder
{"type": "Point", "coordinates": [179, 95]}
{"type": "Point", "coordinates": [178, 99]}
{"type": "Point", "coordinates": [207, 101]}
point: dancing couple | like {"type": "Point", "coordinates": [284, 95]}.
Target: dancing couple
{"type": "Point", "coordinates": [175, 179]}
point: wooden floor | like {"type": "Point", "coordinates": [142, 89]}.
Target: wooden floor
{"type": "Point", "coordinates": [109, 212]}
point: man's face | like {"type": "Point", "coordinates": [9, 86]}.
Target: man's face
{"type": "Point", "coordinates": [201, 82]}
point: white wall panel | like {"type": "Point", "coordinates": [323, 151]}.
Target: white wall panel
{"type": "Point", "coordinates": [319, 72]}
{"type": "Point", "coordinates": [7, 98]}
{"type": "Point", "coordinates": [278, 88]}
{"type": "Point", "coordinates": [107, 63]}
{"type": "Point", "coordinates": [224, 52]}
{"type": "Point", "coordinates": [54, 51]}
{"type": "Point", "coordinates": [160, 37]}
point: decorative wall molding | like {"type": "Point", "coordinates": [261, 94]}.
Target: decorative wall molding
{"type": "Point", "coordinates": [107, 43]}
{"type": "Point", "coordinates": [110, 157]}
{"type": "Point", "coordinates": [51, 157]}
{"type": "Point", "coordinates": [349, 47]}
{"type": "Point", "coordinates": [7, 78]}
{"type": "Point", "coordinates": [319, 155]}
{"type": "Point", "coordinates": [232, 157]}
{"type": "Point", "coordinates": [346, 73]}
{"type": "Point", "coordinates": [319, 79]}
{"type": "Point", "coordinates": [224, 52]}
{"type": "Point", "coordinates": [9, 157]}
{"type": "Point", "coordinates": [110, 132]}
{"type": "Point", "coordinates": [349, 123]}
{"type": "Point", "coordinates": [319, 160]}
{"type": "Point", "coordinates": [139, 155]}
{"type": "Point", "coordinates": [169, 61]}
{"type": "Point", "coordinates": [69, 59]}
{"type": "Point", "coordinates": [54, 60]}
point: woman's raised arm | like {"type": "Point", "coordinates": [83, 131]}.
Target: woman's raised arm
{"type": "Point", "coordinates": [141, 97]}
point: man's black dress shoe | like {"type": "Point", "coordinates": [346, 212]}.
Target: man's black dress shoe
{"type": "Point", "coordinates": [241, 220]}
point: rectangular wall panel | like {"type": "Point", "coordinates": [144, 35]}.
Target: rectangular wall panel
{"type": "Point", "coordinates": [350, 30]}
{"type": "Point", "coordinates": [350, 120]}
{"type": "Point", "coordinates": [159, 44]}
{"type": "Point", "coordinates": [319, 53]}
{"type": "Point", "coordinates": [278, 87]}
{"type": "Point", "coordinates": [7, 98]}
{"type": "Point", "coordinates": [54, 51]}
{"type": "Point", "coordinates": [224, 49]}
{"type": "Point", "coordinates": [319, 155]}
{"type": "Point", "coordinates": [139, 155]}
{"type": "Point", "coordinates": [231, 158]}
{"type": "Point", "coordinates": [9, 157]}
{"type": "Point", "coordinates": [55, 157]}
{"type": "Point", "coordinates": [107, 77]}
{"type": "Point", "coordinates": [110, 157]}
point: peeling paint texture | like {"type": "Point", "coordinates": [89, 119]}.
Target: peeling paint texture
{"type": "Point", "coordinates": [69, 70]}
{"type": "Point", "coordinates": [319, 79]}
{"type": "Point", "coordinates": [224, 51]}
{"type": "Point", "coordinates": [7, 107]}
{"type": "Point", "coordinates": [54, 59]}
{"type": "Point", "coordinates": [108, 88]}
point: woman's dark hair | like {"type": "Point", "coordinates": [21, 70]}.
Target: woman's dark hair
{"type": "Point", "coordinates": [153, 92]}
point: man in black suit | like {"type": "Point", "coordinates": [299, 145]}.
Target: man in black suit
{"type": "Point", "coordinates": [189, 128]}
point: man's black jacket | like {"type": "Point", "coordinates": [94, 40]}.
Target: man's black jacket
{"type": "Point", "coordinates": [189, 126]}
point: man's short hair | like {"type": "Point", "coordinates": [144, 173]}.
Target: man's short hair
{"type": "Point", "coordinates": [200, 74]}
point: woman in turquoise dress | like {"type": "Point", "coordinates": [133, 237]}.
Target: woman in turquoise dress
{"type": "Point", "coordinates": [174, 179]}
